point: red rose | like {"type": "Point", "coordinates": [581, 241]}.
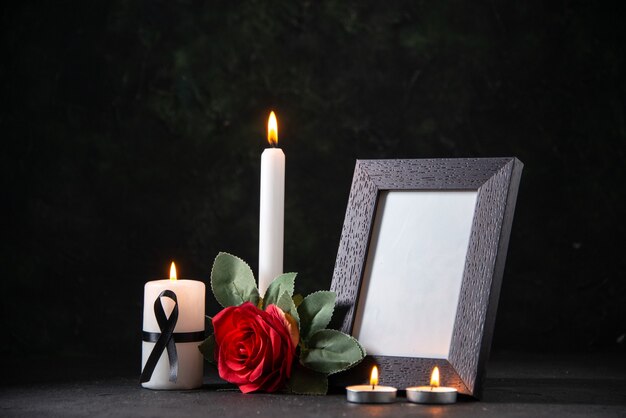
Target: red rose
{"type": "Point", "coordinates": [255, 348]}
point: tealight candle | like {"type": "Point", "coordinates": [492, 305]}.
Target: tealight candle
{"type": "Point", "coordinates": [372, 393]}
{"type": "Point", "coordinates": [433, 394]}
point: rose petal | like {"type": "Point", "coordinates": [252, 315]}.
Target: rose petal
{"type": "Point", "coordinates": [288, 321]}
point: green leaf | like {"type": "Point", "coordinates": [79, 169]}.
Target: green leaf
{"type": "Point", "coordinates": [232, 281]}
{"type": "Point", "coordinates": [315, 312]}
{"type": "Point", "coordinates": [283, 283]}
{"type": "Point", "coordinates": [286, 304]}
{"type": "Point", "coordinates": [307, 382]}
{"type": "Point", "coordinates": [207, 348]}
{"type": "Point", "coordinates": [330, 351]}
{"type": "Point", "coordinates": [297, 299]}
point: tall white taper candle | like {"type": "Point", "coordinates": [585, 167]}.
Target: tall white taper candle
{"type": "Point", "coordinates": [272, 213]}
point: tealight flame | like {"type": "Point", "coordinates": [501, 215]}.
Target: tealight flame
{"type": "Point", "coordinates": [434, 378]}
{"type": "Point", "coordinates": [173, 271]}
{"type": "Point", "coordinates": [272, 130]}
{"type": "Point", "coordinates": [374, 377]}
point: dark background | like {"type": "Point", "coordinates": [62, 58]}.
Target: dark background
{"type": "Point", "coordinates": [132, 133]}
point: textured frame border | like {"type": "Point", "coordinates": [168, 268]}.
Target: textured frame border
{"type": "Point", "coordinates": [496, 180]}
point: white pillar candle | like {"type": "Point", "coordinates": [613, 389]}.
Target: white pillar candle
{"type": "Point", "coordinates": [272, 213]}
{"type": "Point", "coordinates": [189, 326]}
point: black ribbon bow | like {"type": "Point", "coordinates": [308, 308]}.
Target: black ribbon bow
{"type": "Point", "coordinates": [164, 340]}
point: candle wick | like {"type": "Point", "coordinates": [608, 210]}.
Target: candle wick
{"type": "Point", "coordinates": [373, 387]}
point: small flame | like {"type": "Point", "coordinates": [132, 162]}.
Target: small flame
{"type": "Point", "coordinates": [374, 377]}
{"type": "Point", "coordinates": [173, 271]}
{"type": "Point", "coordinates": [272, 130]}
{"type": "Point", "coordinates": [434, 378]}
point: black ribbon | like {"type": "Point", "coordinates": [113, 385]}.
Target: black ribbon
{"type": "Point", "coordinates": [179, 337]}
{"type": "Point", "coordinates": [166, 339]}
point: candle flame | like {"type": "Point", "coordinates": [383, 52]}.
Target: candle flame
{"type": "Point", "coordinates": [374, 377]}
{"type": "Point", "coordinates": [173, 271]}
{"type": "Point", "coordinates": [272, 130]}
{"type": "Point", "coordinates": [434, 378]}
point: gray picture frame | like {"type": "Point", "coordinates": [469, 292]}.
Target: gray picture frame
{"type": "Point", "coordinates": [496, 182]}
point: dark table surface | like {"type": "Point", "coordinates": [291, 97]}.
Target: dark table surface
{"type": "Point", "coordinates": [517, 385]}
